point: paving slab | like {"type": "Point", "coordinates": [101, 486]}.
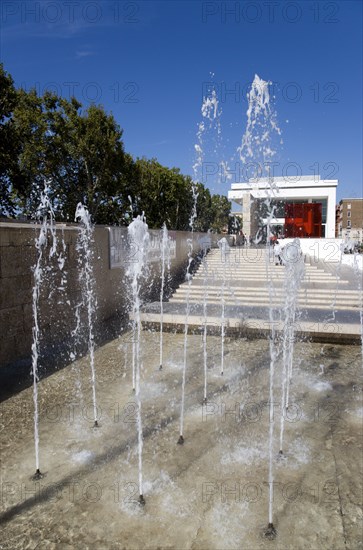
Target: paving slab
{"type": "Point", "coordinates": [210, 493]}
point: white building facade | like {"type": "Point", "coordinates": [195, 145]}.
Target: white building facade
{"type": "Point", "coordinates": [281, 191]}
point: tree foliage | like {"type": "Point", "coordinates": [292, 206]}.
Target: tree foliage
{"type": "Point", "coordinates": [81, 153]}
{"type": "Point", "coordinates": [9, 144]}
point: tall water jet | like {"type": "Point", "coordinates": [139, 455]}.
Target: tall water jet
{"type": "Point", "coordinates": [294, 274]}
{"type": "Point", "coordinates": [76, 334]}
{"type": "Point", "coordinates": [86, 278]}
{"type": "Point", "coordinates": [205, 243]}
{"type": "Point", "coordinates": [337, 280]}
{"type": "Point", "coordinates": [257, 147]}
{"type": "Point", "coordinates": [271, 531]}
{"type": "Point", "coordinates": [165, 265]}
{"type": "Point", "coordinates": [208, 133]}
{"type": "Point", "coordinates": [358, 275]}
{"type": "Point", "coordinates": [139, 239]}
{"type": "Point", "coordinates": [188, 277]}
{"type": "Point", "coordinates": [225, 251]}
{"type": "Point", "coordinates": [209, 130]}
{"type": "Point", "coordinates": [210, 113]}
{"type": "Point", "coordinates": [134, 336]}
{"type": "Point", "coordinates": [47, 231]}
{"type": "Point", "coordinates": [257, 150]}
{"type": "Point", "coordinates": [205, 320]}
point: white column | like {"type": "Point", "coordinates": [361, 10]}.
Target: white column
{"type": "Point", "coordinates": [330, 214]}
{"type": "Point", "coordinates": [246, 210]}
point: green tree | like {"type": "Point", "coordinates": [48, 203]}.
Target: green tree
{"type": "Point", "coordinates": [9, 144]}
{"type": "Point", "coordinates": [99, 151]}
{"type": "Point", "coordinates": [221, 209]}
{"type": "Point", "coordinates": [33, 166]}
{"type": "Point", "coordinates": [81, 153]}
{"type": "Point", "coordinates": [164, 194]}
{"type": "Point", "coordinates": [204, 218]}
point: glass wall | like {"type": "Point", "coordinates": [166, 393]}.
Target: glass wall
{"type": "Point", "coordinates": [302, 218]}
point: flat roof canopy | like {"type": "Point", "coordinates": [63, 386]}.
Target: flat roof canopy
{"type": "Point", "coordinates": [283, 188]}
{"type": "Point", "coordinates": [284, 183]}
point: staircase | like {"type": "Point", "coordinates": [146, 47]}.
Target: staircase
{"type": "Point", "coordinates": [246, 284]}
{"type": "Point", "coordinates": [328, 303]}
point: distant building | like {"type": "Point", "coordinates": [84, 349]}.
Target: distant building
{"type": "Point", "coordinates": [304, 207]}
{"type": "Point", "coordinates": [337, 218]}
{"type": "Point", "coordinates": [350, 219]}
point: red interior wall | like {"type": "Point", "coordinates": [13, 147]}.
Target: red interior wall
{"type": "Point", "coordinates": [303, 220]}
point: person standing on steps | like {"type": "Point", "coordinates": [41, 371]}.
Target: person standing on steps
{"type": "Point", "coordinates": [277, 253]}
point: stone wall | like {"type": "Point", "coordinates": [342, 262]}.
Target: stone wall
{"type": "Point", "coordinates": [61, 293]}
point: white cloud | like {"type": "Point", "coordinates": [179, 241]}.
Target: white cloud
{"type": "Point", "coordinates": [84, 53]}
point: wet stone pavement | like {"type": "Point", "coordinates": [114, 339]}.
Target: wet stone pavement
{"type": "Point", "coordinates": [210, 493]}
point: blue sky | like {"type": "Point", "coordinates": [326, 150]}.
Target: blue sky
{"type": "Point", "coordinates": [149, 63]}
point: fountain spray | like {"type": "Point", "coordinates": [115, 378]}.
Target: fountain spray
{"type": "Point", "coordinates": [45, 214]}
{"type": "Point", "coordinates": [139, 238]}
{"type": "Point", "coordinates": [165, 263]}
{"type": "Point", "coordinates": [188, 277]}
{"type": "Point", "coordinates": [205, 301]}
{"type": "Point", "coordinates": [210, 126]}
{"type": "Point", "coordinates": [294, 274]}
{"type": "Point", "coordinates": [358, 276]}
{"type": "Point", "coordinates": [257, 149]}
{"type": "Point", "coordinates": [225, 251]}
{"type": "Point", "coordinates": [86, 278]}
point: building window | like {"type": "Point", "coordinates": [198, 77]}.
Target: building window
{"type": "Point", "coordinates": [348, 224]}
{"type": "Point", "coordinates": [349, 206]}
{"type": "Point", "coordinates": [324, 206]}
{"type": "Point", "coordinates": [349, 213]}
